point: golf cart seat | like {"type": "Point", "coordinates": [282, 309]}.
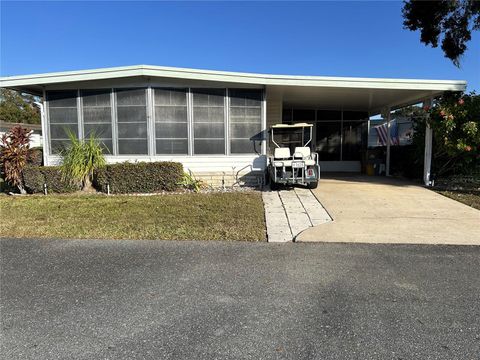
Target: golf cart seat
{"type": "Point", "coordinates": [282, 157]}
{"type": "Point", "coordinates": [304, 153]}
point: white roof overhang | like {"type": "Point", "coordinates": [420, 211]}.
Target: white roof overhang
{"type": "Point", "coordinates": [348, 92]}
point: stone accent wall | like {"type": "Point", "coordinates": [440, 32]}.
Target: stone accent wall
{"type": "Point", "coordinates": [229, 179]}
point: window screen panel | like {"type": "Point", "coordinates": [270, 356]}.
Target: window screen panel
{"type": "Point", "coordinates": [243, 146]}
{"type": "Point", "coordinates": [132, 121]}
{"type": "Point", "coordinates": [171, 131]}
{"type": "Point", "coordinates": [245, 120]}
{"type": "Point", "coordinates": [207, 114]}
{"type": "Point", "coordinates": [209, 131]}
{"type": "Point", "coordinates": [171, 121]}
{"type": "Point", "coordinates": [129, 97]}
{"type": "Point", "coordinates": [245, 130]}
{"type": "Point", "coordinates": [100, 131]}
{"type": "Point", "coordinates": [170, 97]}
{"type": "Point", "coordinates": [96, 98]}
{"type": "Point", "coordinates": [62, 118]}
{"type": "Point", "coordinates": [107, 146]}
{"type": "Point", "coordinates": [175, 114]}
{"type": "Point", "coordinates": [132, 147]}
{"type": "Point", "coordinates": [209, 121]}
{"type": "Point", "coordinates": [62, 98]}
{"type": "Point", "coordinates": [209, 146]}
{"type": "Point", "coordinates": [328, 140]}
{"type": "Point", "coordinates": [60, 131]}
{"type": "Point", "coordinates": [172, 146]}
{"type": "Point", "coordinates": [208, 97]}
{"type": "Point", "coordinates": [97, 116]}
{"type": "Point", "coordinates": [131, 114]}
{"type": "Point", "coordinates": [132, 131]}
{"type": "Point", "coordinates": [63, 115]}
{"type": "Point", "coordinates": [57, 146]}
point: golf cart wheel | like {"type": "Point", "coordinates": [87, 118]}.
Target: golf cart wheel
{"type": "Point", "coordinates": [312, 185]}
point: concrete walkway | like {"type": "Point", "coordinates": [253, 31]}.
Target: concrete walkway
{"type": "Point", "coordinates": [384, 210]}
{"type": "Point", "coordinates": [289, 212]}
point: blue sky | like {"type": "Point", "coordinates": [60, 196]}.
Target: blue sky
{"type": "Point", "coordinates": [321, 38]}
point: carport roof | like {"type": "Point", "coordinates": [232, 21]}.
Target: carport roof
{"type": "Point", "coordinates": [348, 92]}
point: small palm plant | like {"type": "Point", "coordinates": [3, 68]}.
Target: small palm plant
{"type": "Point", "coordinates": [81, 159]}
{"type": "Point", "coordinates": [191, 183]}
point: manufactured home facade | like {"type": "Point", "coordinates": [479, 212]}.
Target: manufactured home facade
{"type": "Point", "coordinates": [215, 123]}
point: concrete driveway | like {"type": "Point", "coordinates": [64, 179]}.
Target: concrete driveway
{"type": "Point", "coordinates": [236, 300]}
{"type": "Point", "coordinates": [384, 210]}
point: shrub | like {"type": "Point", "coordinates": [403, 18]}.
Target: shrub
{"type": "Point", "coordinates": [35, 176]}
{"type": "Point", "coordinates": [80, 159]}
{"type": "Point", "coordinates": [14, 146]}
{"type": "Point", "coordinates": [455, 121]}
{"type": "Point", "coordinates": [35, 156]}
{"type": "Point", "coordinates": [139, 177]}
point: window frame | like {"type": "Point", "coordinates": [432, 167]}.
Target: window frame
{"type": "Point", "coordinates": [192, 91]}
{"type": "Point", "coordinates": [259, 122]}
{"type": "Point", "coordinates": [149, 122]}
{"type": "Point", "coordinates": [187, 122]}
{"type": "Point", "coordinates": [112, 118]}
{"type": "Point", "coordinates": [49, 122]}
{"type": "Point", "coordinates": [147, 117]}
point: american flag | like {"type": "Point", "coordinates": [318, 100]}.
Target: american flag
{"type": "Point", "coordinates": [382, 133]}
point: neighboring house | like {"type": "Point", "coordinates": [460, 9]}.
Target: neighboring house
{"type": "Point", "coordinates": [36, 129]}
{"type": "Point", "coordinates": [215, 122]}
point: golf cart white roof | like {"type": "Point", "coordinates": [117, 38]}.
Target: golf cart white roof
{"type": "Point", "coordinates": [290, 126]}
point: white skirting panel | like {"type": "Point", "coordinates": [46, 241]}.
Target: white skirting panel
{"type": "Point", "coordinates": [212, 164]}
{"type": "Point", "coordinates": [340, 166]}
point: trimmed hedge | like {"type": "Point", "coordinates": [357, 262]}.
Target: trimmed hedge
{"type": "Point", "coordinates": [35, 176]}
{"type": "Point", "coordinates": [139, 177]}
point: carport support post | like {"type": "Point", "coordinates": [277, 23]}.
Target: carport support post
{"type": "Point", "coordinates": [387, 116]}
{"type": "Point", "coordinates": [427, 160]}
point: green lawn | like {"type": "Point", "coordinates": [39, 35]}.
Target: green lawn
{"type": "Point", "coordinates": [215, 216]}
{"type": "Point", "coordinates": [468, 197]}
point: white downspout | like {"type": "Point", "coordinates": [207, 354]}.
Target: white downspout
{"type": "Point", "coordinates": [388, 118]}
{"type": "Point", "coordinates": [44, 130]}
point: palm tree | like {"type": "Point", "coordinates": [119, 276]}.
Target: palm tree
{"type": "Point", "coordinates": [81, 159]}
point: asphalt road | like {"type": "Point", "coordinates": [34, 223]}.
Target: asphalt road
{"type": "Point", "coordinates": [220, 300]}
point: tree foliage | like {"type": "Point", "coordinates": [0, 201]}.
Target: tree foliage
{"type": "Point", "coordinates": [16, 107]}
{"type": "Point", "coordinates": [455, 121]}
{"type": "Point", "coordinates": [14, 146]}
{"type": "Point", "coordinates": [450, 22]}
{"type": "Point", "coordinates": [80, 159]}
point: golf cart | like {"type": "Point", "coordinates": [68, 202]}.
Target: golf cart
{"type": "Point", "coordinates": [293, 162]}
